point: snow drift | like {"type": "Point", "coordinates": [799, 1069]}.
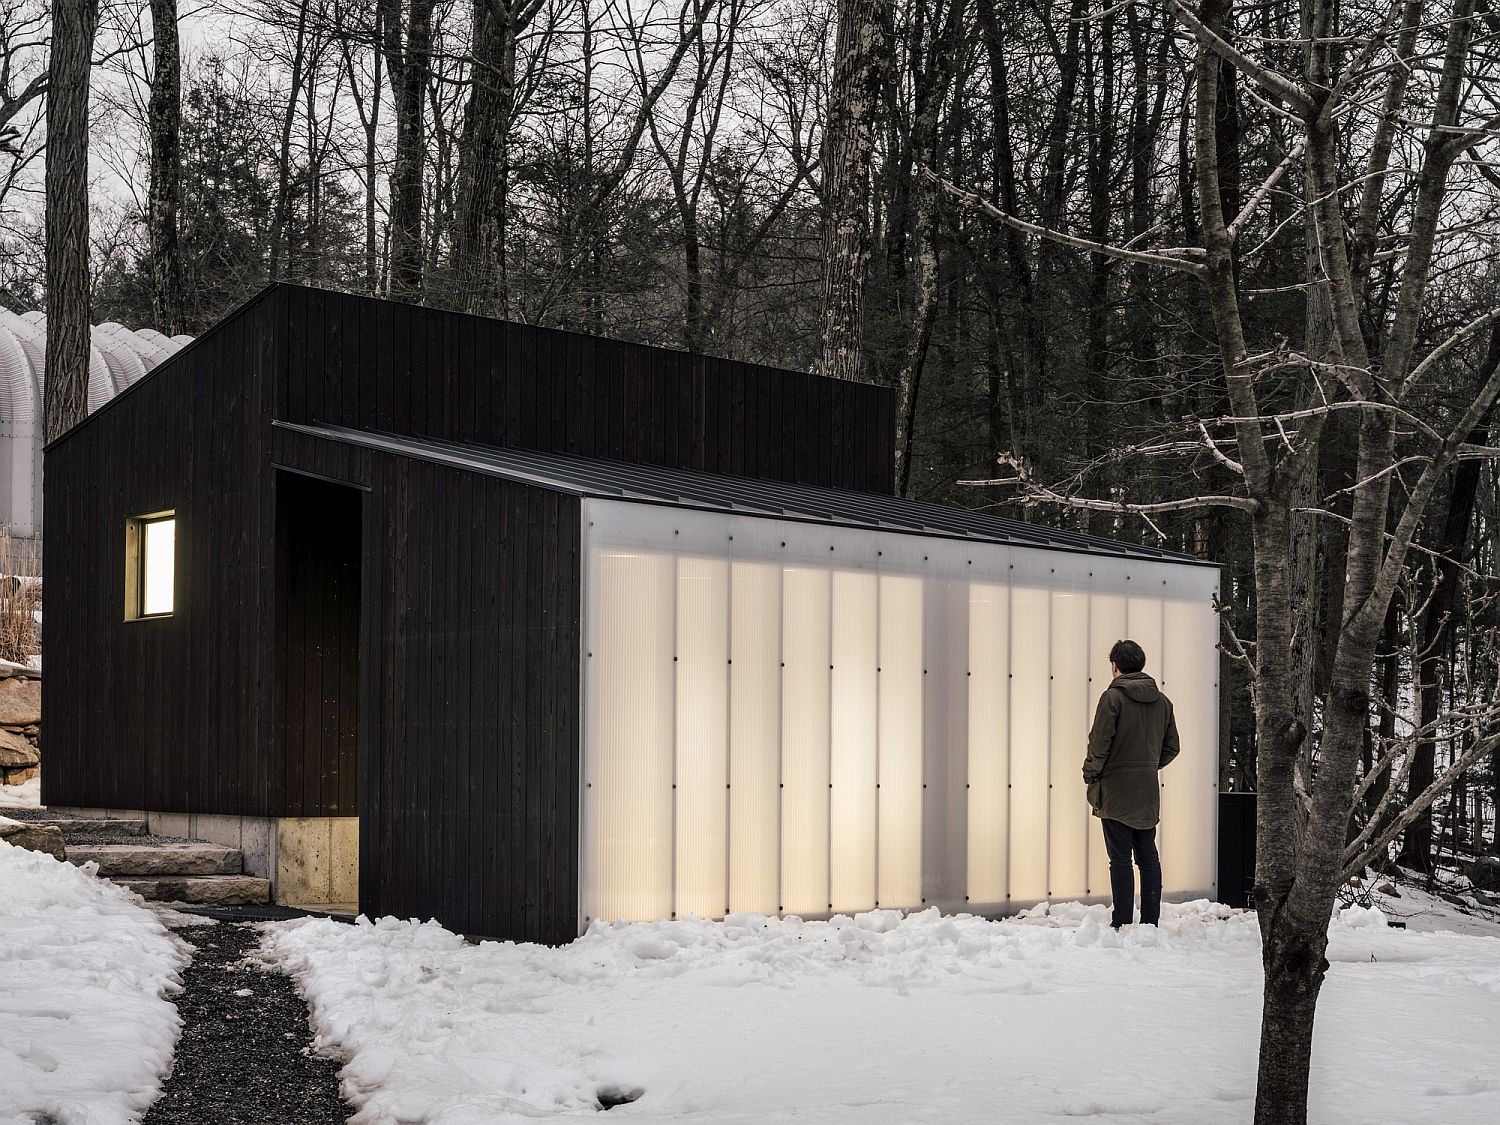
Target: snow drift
{"type": "Point", "coordinates": [86, 1026]}
{"type": "Point", "coordinates": [885, 1018]}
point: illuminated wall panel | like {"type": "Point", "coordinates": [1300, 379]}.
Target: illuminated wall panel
{"type": "Point", "coordinates": [1189, 785]}
{"type": "Point", "coordinates": [858, 717]}
{"type": "Point", "coordinates": [755, 738]}
{"type": "Point", "coordinates": [1107, 619]}
{"type": "Point", "coordinates": [852, 797]}
{"type": "Point", "coordinates": [1068, 737]}
{"type": "Point", "coordinates": [989, 741]}
{"type": "Point", "coordinates": [631, 775]}
{"type": "Point", "coordinates": [901, 691]}
{"type": "Point", "coordinates": [1030, 657]}
{"type": "Point", "coordinates": [702, 666]}
{"type": "Point", "coordinates": [805, 636]}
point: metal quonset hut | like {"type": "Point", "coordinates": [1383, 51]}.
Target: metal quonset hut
{"type": "Point", "coordinates": [117, 358]}
{"type": "Point", "coordinates": [563, 628]}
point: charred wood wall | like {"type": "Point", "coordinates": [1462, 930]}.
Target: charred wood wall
{"type": "Point", "coordinates": [169, 714]}
{"type": "Point", "coordinates": [469, 732]}
{"type": "Point", "coordinates": [404, 369]}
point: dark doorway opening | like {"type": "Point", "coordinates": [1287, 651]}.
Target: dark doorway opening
{"type": "Point", "coordinates": [319, 528]}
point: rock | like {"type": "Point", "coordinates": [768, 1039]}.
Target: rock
{"type": "Point", "coordinates": [178, 858]}
{"type": "Point", "coordinates": [1389, 890]}
{"type": "Point", "coordinates": [1484, 873]}
{"type": "Point", "coordinates": [20, 701]}
{"type": "Point", "coordinates": [15, 752]}
{"type": "Point", "coordinates": [34, 837]}
{"type": "Point", "coordinates": [208, 890]}
{"type": "Point", "coordinates": [1456, 900]}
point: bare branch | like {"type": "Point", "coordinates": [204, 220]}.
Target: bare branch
{"type": "Point", "coordinates": [1143, 257]}
{"type": "Point", "coordinates": [1361, 859]}
{"type": "Point", "coordinates": [1278, 86]}
{"type": "Point", "coordinates": [1436, 355]}
{"type": "Point", "coordinates": [1259, 195]}
{"type": "Point", "coordinates": [1034, 493]}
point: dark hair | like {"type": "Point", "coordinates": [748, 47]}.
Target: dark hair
{"type": "Point", "coordinates": [1127, 656]}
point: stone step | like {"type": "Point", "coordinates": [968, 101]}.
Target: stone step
{"type": "Point", "coordinates": [186, 858]}
{"type": "Point", "coordinates": [33, 837]}
{"type": "Point", "coordinates": [207, 890]}
{"type": "Point", "coordinates": [86, 828]}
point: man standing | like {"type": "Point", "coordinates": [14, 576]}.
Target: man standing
{"type": "Point", "coordinates": [1133, 736]}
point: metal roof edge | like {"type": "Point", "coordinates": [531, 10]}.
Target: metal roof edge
{"type": "Point", "coordinates": [443, 452]}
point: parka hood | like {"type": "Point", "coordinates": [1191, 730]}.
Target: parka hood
{"type": "Point", "coordinates": [1137, 687]}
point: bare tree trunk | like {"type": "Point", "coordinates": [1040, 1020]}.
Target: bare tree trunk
{"type": "Point", "coordinates": [861, 64]}
{"type": "Point", "coordinates": [1434, 640]}
{"type": "Point", "coordinates": [74, 24]}
{"type": "Point", "coordinates": [368, 109]}
{"type": "Point", "coordinates": [408, 59]}
{"type": "Point", "coordinates": [1009, 402]}
{"type": "Point", "coordinates": [280, 214]}
{"type": "Point", "coordinates": [165, 192]}
{"type": "Point", "coordinates": [934, 80]}
{"type": "Point", "coordinates": [479, 236]}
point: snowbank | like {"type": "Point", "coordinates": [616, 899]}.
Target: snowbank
{"type": "Point", "coordinates": [86, 1029]}
{"type": "Point", "coordinates": [882, 1018]}
{"type": "Point", "coordinates": [27, 795]}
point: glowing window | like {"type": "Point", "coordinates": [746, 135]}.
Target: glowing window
{"type": "Point", "coordinates": [151, 565]}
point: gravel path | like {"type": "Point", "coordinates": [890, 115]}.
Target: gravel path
{"type": "Point", "coordinates": [245, 1056]}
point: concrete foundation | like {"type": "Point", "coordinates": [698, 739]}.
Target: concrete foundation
{"type": "Point", "coordinates": [310, 861]}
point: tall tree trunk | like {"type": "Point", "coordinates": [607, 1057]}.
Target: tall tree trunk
{"type": "Point", "coordinates": [281, 212]}
{"type": "Point", "coordinates": [408, 59]}
{"type": "Point", "coordinates": [65, 400]}
{"type": "Point", "coordinates": [861, 64]}
{"type": "Point", "coordinates": [479, 235]}
{"type": "Point", "coordinates": [1435, 638]}
{"type": "Point", "coordinates": [933, 80]}
{"type": "Point", "coordinates": [1009, 401]}
{"type": "Point", "coordinates": [165, 192]}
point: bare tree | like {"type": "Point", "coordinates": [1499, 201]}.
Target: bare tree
{"type": "Point", "coordinates": [407, 46]}
{"type": "Point", "coordinates": [1374, 367]}
{"type": "Point", "coordinates": [166, 168]}
{"type": "Point", "coordinates": [861, 63]}
{"type": "Point", "coordinates": [74, 23]}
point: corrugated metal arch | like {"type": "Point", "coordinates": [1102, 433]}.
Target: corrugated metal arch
{"type": "Point", "coordinates": [118, 357]}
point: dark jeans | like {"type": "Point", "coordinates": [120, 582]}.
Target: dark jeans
{"type": "Point", "coordinates": [1120, 840]}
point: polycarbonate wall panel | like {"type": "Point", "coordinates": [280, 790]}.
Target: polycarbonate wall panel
{"type": "Point", "coordinates": [1068, 733]}
{"type": "Point", "coordinates": [1030, 702]}
{"type": "Point", "coordinates": [791, 717]}
{"type": "Point", "coordinates": [854, 742]}
{"type": "Point", "coordinates": [629, 782]}
{"type": "Point", "coordinates": [989, 742]}
{"type": "Point", "coordinates": [1190, 786]}
{"type": "Point", "coordinates": [901, 721]}
{"type": "Point", "coordinates": [702, 667]}
{"type": "Point", "coordinates": [755, 738]}
{"type": "Point", "coordinates": [806, 633]}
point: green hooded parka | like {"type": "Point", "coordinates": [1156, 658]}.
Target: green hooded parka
{"type": "Point", "coordinates": [1134, 735]}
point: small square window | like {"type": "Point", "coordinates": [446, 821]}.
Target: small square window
{"type": "Point", "coordinates": [150, 565]}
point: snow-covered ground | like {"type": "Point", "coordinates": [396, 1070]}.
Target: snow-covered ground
{"type": "Point", "coordinates": [86, 1025]}
{"type": "Point", "coordinates": [883, 1019]}
{"type": "Point", "coordinates": [27, 795]}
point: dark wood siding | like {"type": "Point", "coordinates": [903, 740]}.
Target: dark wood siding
{"type": "Point", "coordinates": [358, 362]}
{"type": "Point", "coordinates": [172, 713]}
{"type": "Point", "coordinates": [469, 731]}
{"type": "Point", "coordinates": [315, 701]}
